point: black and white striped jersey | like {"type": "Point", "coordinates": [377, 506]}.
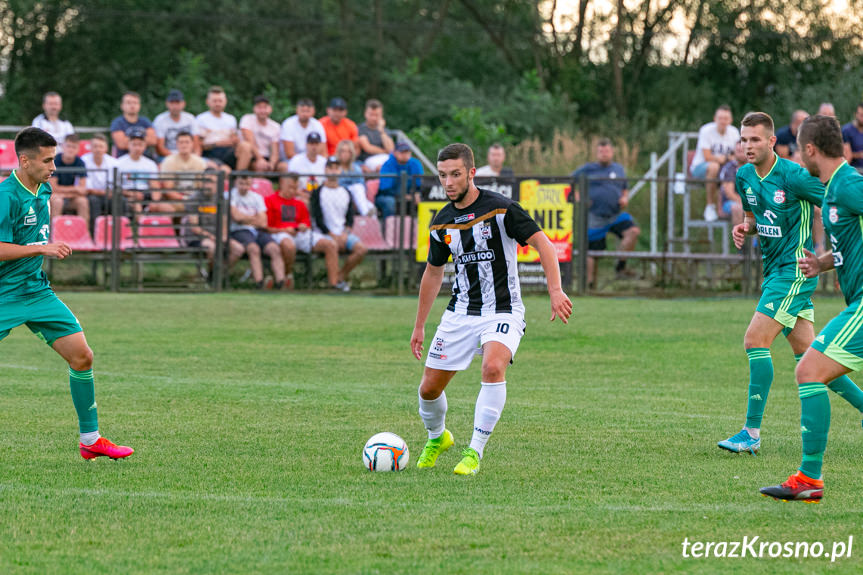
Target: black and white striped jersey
{"type": "Point", "coordinates": [482, 241]}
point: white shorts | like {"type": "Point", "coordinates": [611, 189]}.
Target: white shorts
{"type": "Point", "coordinates": [304, 241]}
{"type": "Point", "coordinates": [459, 337]}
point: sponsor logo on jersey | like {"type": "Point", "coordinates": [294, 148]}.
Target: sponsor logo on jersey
{"type": "Point", "coordinates": [464, 218]}
{"type": "Point", "coordinates": [485, 232]}
{"type": "Point", "coordinates": [30, 218]}
{"type": "Point", "coordinates": [476, 257]}
{"type": "Point", "coordinates": [750, 197]}
{"type": "Point", "coordinates": [838, 260]}
{"type": "Point", "coordinates": [447, 239]}
{"type": "Point", "coordinates": [833, 214]}
{"type": "Point", "coordinates": [769, 231]}
{"type": "Point", "coordinates": [778, 197]}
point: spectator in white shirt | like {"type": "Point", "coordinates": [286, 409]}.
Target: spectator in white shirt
{"type": "Point", "coordinates": [137, 175]}
{"type": "Point", "coordinates": [50, 121]}
{"type": "Point", "coordinates": [715, 147]}
{"type": "Point", "coordinates": [249, 227]}
{"type": "Point", "coordinates": [496, 157]}
{"type": "Point", "coordinates": [262, 133]}
{"type": "Point", "coordinates": [100, 176]}
{"type": "Point", "coordinates": [171, 122]}
{"type": "Point", "coordinates": [296, 129]}
{"type": "Point", "coordinates": [220, 137]}
{"type": "Point", "coordinates": [310, 165]}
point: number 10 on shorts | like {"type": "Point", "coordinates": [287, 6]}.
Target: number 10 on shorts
{"type": "Point", "coordinates": [502, 328]}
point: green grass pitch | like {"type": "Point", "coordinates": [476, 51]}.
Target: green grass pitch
{"type": "Point", "coordinates": [248, 414]}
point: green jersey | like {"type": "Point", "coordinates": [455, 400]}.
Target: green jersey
{"type": "Point", "coordinates": [842, 213]}
{"type": "Point", "coordinates": [782, 203]}
{"type": "Point", "coordinates": [25, 220]}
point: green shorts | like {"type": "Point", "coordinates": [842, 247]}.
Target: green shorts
{"type": "Point", "coordinates": [46, 316]}
{"type": "Point", "coordinates": [842, 339]}
{"type": "Point", "coordinates": [786, 297]}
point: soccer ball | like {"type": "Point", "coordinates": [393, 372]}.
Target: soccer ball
{"type": "Point", "coordinates": [385, 452]}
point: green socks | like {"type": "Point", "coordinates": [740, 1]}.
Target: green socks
{"type": "Point", "coordinates": [760, 379]}
{"type": "Point", "coordinates": [814, 426]}
{"type": "Point", "coordinates": [844, 388]}
{"type": "Point", "coordinates": [84, 398]}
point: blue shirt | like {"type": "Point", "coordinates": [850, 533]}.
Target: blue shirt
{"type": "Point", "coordinates": [352, 176]}
{"type": "Point", "coordinates": [784, 137]}
{"type": "Point", "coordinates": [121, 124]}
{"type": "Point", "coordinates": [605, 185]}
{"type": "Point", "coordinates": [68, 178]}
{"type": "Point", "coordinates": [853, 136]}
{"type": "Point", "coordinates": [390, 186]}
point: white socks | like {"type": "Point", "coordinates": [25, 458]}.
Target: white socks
{"type": "Point", "coordinates": [89, 438]}
{"type": "Point", "coordinates": [489, 405]}
{"type": "Point", "coordinates": [433, 412]}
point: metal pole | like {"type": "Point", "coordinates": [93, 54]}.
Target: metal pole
{"type": "Point", "coordinates": [400, 253]}
{"type": "Point", "coordinates": [654, 216]}
{"type": "Point", "coordinates": [116, 209]}
{"type": "Point", "coordinates": [583, 206]}
{"type": "Point", "coordinates": [221, 212]}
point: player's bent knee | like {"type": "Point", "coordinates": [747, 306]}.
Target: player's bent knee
{"type": "Point", "coordinates": [82, 360]}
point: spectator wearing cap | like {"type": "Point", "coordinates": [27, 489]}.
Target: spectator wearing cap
{"type": "Point", "coordinates": [50, 121]}
{"type": "Point", "coordinates": [69, 185]}
{"type": "Point", "coordinates": [172, 122]}
{"type": "Point", "coordinates": [375, 144]}
{"type": "Point", "coordinates": [220, 138]}
{"type": "Point", "coordinates": [333, 214]}
{"type": "Point", "coordinates": [100, 175]}
{"type": "Point", "coordinates": [338, 126]}
{"type": "Point", "coordinates": [131, 120]}
{"type": "Point", "coordinates": [296, 129]}
{"type": "Point", "coordinates": [137, 173]}
{"type": "Point", "coordinates": [399, 161]}
{"type": "Point", "coordinates": [309, 165]}
{"type": "Point", "coordinates": [262, 133]}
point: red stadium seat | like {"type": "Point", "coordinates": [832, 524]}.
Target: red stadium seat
{"type": "Point", "coordinates": [262, 186]}
{"type": "Point", "coordinates": [372, 189]}
{"type": "Point", "coordinates": [104, 229]}
{"type": "Point", "coordinates": [368, 229]}
{"type": "Point", "coordinates": [156, 232]}
{"type": "Point", "coordinates": [8, 159]}
{"type": "Point", "coordinates": [84, 147]}
{"type": "Point", "coordinates": [391, 232]}
{"type": "Point", "coordinates": [72, 230]}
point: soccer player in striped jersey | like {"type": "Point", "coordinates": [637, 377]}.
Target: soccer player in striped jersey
{"type": "Point", "coordinates": [26, 296]}
{"type": "Point", "coordinates": [480, 230]}
{"type": "Point", "coordinates": [779, 198]}
{"type": "Point", "coordinates": [838, 349]}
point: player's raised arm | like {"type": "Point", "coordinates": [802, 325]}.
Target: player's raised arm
{"type": "Point", "coordinates": [429, 288]}
{"type": "Point", "coordinates": [561, 306]}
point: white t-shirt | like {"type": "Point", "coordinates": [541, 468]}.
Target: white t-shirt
{"type": "Point", "coordinates": [334, 208]}
{"type": "Point", "coordinates": [213, 129]}
{"type": "Point", "coordinates": [249, 205]}
{"type": "Point", "coordinates": [486, 171]}
{"type": "Point", "coordinates": [710, 138]}
{"type": "Point", "coordinates": [292, 131]}
{"type": "Point", "coordinates": [167, 128]}
{"type": "Point", "coordinates": [59, 129]}
{"type": "Point", "coordinates": [264, 135]}
{"type": "Point", "coordinates": [96, 178]}
{"type": "Point", "coordinates": [133, 173]}
{"type": "Point", "coordinates": [301, 164]}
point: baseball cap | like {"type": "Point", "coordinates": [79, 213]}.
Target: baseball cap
{"type": "Point", "coordinates": [332, 161]}
{"type": "Point", "coordinates": [175, 96]}
{"type": "Point", "coordinates": [403, 147]}
{"type": "Point", "coordinates": [136, 133]}
{"type": "Point", "coordinates": [338, 104]}
{"type": "Point", "coordinates": [313, 138]}
{"type": "Point", "coordinates": [261, 98]}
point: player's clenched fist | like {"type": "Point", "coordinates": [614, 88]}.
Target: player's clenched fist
{"type": "Point", "coordinates": [739, 233]}
{"type": "Point", "coordinates": [59, 250]}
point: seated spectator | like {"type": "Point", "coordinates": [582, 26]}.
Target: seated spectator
{"type": "Point", "coordinates": [609, 196]}
{"type": "Point", "coordinates": [338, 127]}
{"type": "Point", "coordinates": [399, 161]}
{"type": "Point", "coordinates": [138, 175]}
{"type": "Point", "coordinates": [183, 161]}
{"type": "Point", "coordinates": [786, 136]}
{"type": "Point", "coordinates": [50, 121]}
{"type": "Point", "coordinates": [375, 144]}
{"type": "Point", "coordinates": [310, 165]}
{"type": "Point", "coordinates": [352, 177]}
{"type": "Point", "coordinates": [172, 122]}
{"type": "Point", "coordinates": [100, 176]}
{"type": "Point", "coordinates": [826, 109]}
{"type": "Point", "coordinates": [220, 138]}
{"type": "Point", "coordinates": [130, 121]}
{"type": "Point", "coordinates": [852, 136]}
{"type": "Point", "coordinates": [716, 141]}
{"type": "Point", "coordinates": [248, 227]}
{"type": "Point", "coordinates": [297, 128]}
{"type": "Point", "coordinates": [199, 229]}
{"type": "Point", "coordinates": [333, 214]}
{"type": "Point", "coordinates": [262, 133]}
{"type": "Point", "coordinates": [289, 223]}
{"type": "Point", "coordinates": [732, 206]}
{"type": "Point", "coordinates": [69, 188]}
{"type": "Point", "coordinates": [495, 169]}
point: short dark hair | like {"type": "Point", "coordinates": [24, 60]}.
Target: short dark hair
{"type": "Point", "coordinates": [72, 138]}
{"type": "Point", "coordinates": [46, 95]}
{"type": "Point", "coordinates": [29, 140]}
{"type": "Point", "coordinates": [292, 176]}
{"type": "Point", "coordinates": [860, 105]}
{"type": "Point", "coordinates": [215, 90]}
{"type": "Point", "coordinates": [456, 151]}
{"type": "Point", "coordinates": [305, 102]}
{"type": "Point", "coordinates": [131, 93]}
{"type": "Point", "coordinates": [723, 108]}
{"type": "Point", "coordinates": [183, 133]}
{"type": "Point", "coordinates": [753, 119]}
{"type": "Point", "coordinates": [824, 133]}
{"type": "Point", "coordinates": [496, 146]}
{"type": "Point", "coordinates": [373, 104]}
{"type": "Point", "coordinates": [604, 142]}
{"type": "Point", "coordinates": [100, 137]}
